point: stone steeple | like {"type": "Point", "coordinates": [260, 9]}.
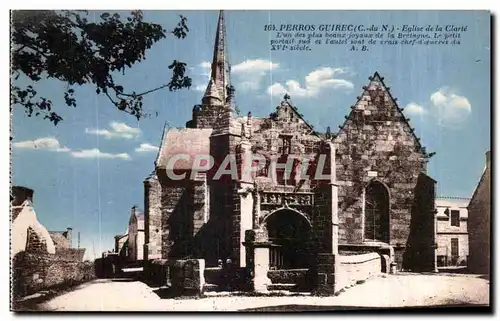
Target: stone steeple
{"type": "Point", "coordinates": [219, 78]}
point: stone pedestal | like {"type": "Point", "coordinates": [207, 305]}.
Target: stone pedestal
{"type": "Point", "coordinates": [188, 275]}
{"type": "Point", "coordinates": [325, 271]}
{"type": "Point", "coordinates": [389, 251]}
{"type": "Point", "coordinates": [258, 259]}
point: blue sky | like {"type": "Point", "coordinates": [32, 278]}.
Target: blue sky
{"type": "Point", "coordinates": [88, 170]}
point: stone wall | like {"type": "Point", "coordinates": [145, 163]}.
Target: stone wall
{"type": "Point", "coordinates": [157, 272]}
{"type": "Point", "coordinates": [419, 254]}
{"type": "Point", "coordinates": [224, 198]}
{"type": "Point", "coordinates": [480, 224]}
{"type": "Point", "coordinates": [201, 204]}
{"type": "Point", "coordinates": [188, 226]}
{"type": "Point", "coordinates": [357, 268]}
{"type": "Point", "coordinates": [69, 255]}
{"type": "Point", "coordinates": [177, 223]}
{"type": "Point", "coordinates": [34, 272]}
{"type": "Point", "coordinates": [205, 116]}
{"type": "Point", "coordinates": [152, 226]}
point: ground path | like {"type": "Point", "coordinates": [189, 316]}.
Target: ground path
{"type": "Point", "coordinates": [390, 291]}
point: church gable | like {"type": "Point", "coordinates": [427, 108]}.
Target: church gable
{"type": "Point", "coordinates": [287, 114]}
{"type": "Point", "coordinates": [284, 132]}
{"type": "Point", "coordinates": [377, 144]}
{"type": "Point", "coordinates": [375, 110]}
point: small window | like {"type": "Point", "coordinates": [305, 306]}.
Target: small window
{"type": "Point", "coordinates": [455, 218]}
{"type": "Point", "coordinates": [286, 176]}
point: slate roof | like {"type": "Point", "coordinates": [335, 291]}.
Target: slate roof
{"type": "Point", "coordinates": [185, 141]}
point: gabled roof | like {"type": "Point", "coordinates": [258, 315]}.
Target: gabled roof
{"type": "Point", "coordinates": [60, 239]}
{"type": "Point", "coordinates": [119, 237]}
{"type": "Point", "coordinates": [286, 103]}
{"type": "Point", "coordinates": [378, 81]}
{"type": "Point", "coordinates": [188, 142]}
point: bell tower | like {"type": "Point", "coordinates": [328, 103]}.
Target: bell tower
{"type": "Point", "coordinates": [219, 95]}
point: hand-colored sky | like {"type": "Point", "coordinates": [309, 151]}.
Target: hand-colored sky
{"type": "Point", "coordinates": [88, 170]}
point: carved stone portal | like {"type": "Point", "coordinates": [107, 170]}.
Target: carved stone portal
{"type": "Point", "coordinates": [286, 199]}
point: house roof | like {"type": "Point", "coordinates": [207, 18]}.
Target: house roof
{"type": "Point", "coordinates": [119, 237]}
{"type": "Point", "coordinates": [60, 239]}
{"type": "Point", "coordinates": [179, 147]}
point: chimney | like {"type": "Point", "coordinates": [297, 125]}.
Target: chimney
{"type": "Point", "coordinates": [69, 236]}
{"type": "Point", "coordinates": [488, 158]}
{"type": "Point", "coordinates": [132, 211]}
{"type": "Point", "coordinates": [19, 194]}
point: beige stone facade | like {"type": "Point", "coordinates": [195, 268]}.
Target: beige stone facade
{"type": "Point", "coordinates": [451, 231]}
{"type": "Point", "coordinates": [135, 238]}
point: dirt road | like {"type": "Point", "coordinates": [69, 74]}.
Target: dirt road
{"type": "Point", "coordinates": [400, 290]}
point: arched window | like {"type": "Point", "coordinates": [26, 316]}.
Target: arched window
{"type": "Point", "coordinates": [376, 212]}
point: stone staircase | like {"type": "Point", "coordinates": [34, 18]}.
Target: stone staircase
{"type": "Point", "coordinates": [290, 287]}
{"type": "Point", "coordinates": [284, 282]}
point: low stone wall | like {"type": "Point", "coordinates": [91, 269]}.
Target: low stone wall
{"type": "Point", "coordinates": [33, 272]}
{"type": "Point", "coordinates": [213, 275]}
{"type": "Point", "coordinates": [187, 275]}
{"type": "Point", "coordinates": [69, 255]}
{"type": "Point", "coordinates": [300, 277]}
{"type": "Point", "coordinates": [156, 272]}
{"type": "Point", "coordinates": [228, 278]}
{"type": "Point", "coordinates": [357, 268]}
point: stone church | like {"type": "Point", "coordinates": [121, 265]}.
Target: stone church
{"type": "Point", "coordinates": [376, 196]}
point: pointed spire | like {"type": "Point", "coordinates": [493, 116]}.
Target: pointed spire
{"type": "Point", "coordinates": [220, 66]}
{"type": "Point", "coordinates": [212, 95]}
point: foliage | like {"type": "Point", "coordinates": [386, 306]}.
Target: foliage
{"type": "Point", "coordinates": [65, 45]}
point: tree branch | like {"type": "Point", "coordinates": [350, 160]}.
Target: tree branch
{"type": "Point", "coordinates": [141, 94]}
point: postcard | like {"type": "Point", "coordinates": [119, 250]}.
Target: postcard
{"type": "Point", "coordinates": [250, 160]}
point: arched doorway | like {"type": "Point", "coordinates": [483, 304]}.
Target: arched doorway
{"type": "Point", "coordinates": [376, 212]}
{"type": "Point", "coordinates": [290, 234]}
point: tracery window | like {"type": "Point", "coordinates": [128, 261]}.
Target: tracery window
{"type": "Point", "coordinates": [376, 212]}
